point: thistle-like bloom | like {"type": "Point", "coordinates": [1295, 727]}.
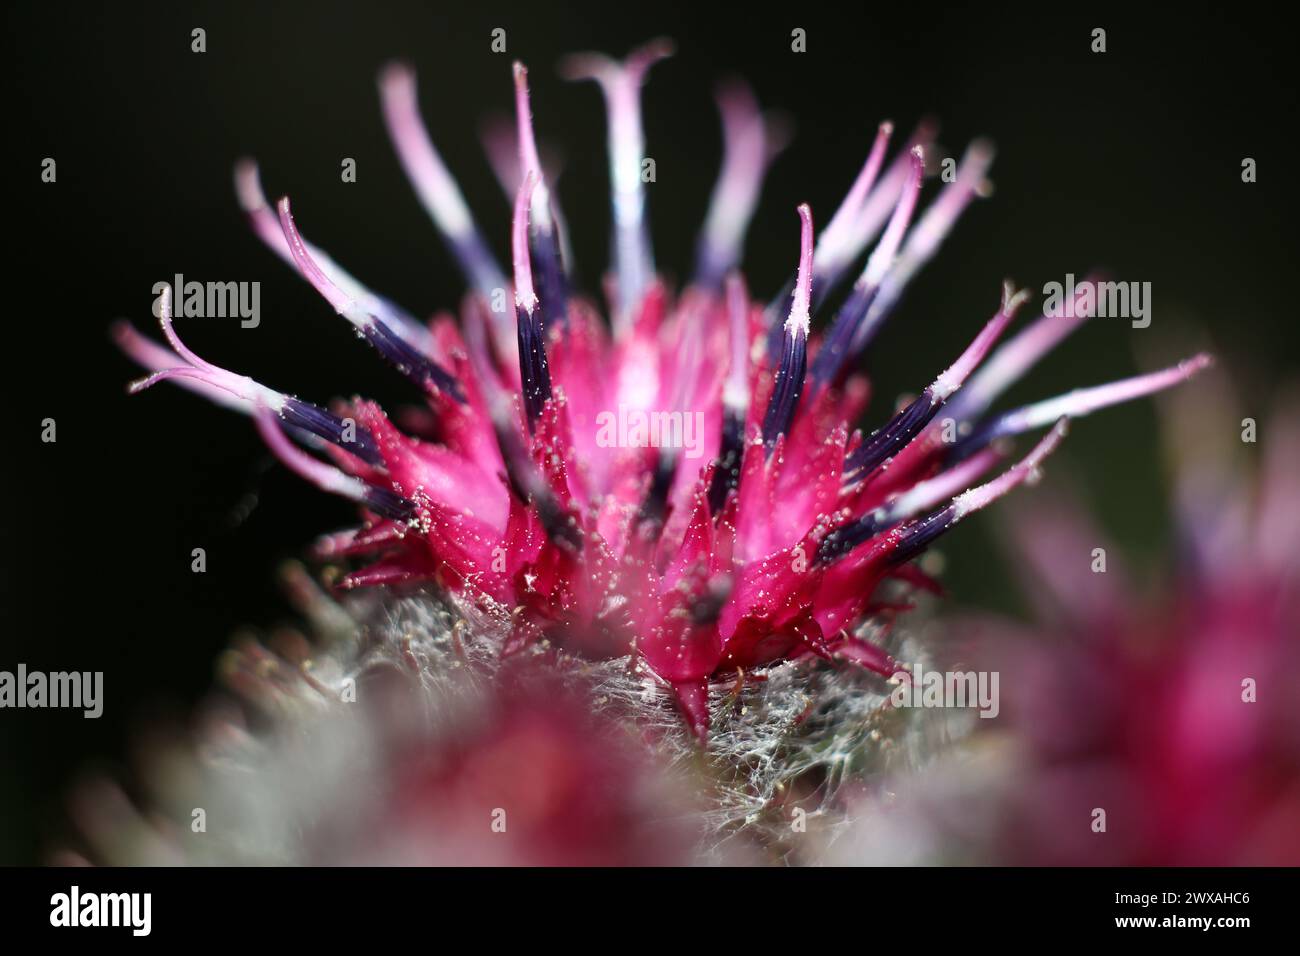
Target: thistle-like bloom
{"type": "Point", "coordinates": [738, 521]}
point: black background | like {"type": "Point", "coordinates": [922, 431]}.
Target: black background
{"type": "Point", "coordinates": [1129, 160]}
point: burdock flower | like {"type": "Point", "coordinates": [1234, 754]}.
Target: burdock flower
{"type": "Point", "coordinates": [680, 488]}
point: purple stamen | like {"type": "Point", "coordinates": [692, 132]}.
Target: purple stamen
{"type": "Point", "coordinates": [750, 142]}
{"type": "Point", "coordinates": [417, 367]}
{"type": "Point", "coordinates": [236, 391]}
{"type": "Point", "coordinates": [154, 357]}
{"type": "Point", "coordinates": [832, 262]}
{"type": "Point", "coordinates": [879, 207]}
{"type": "Point", "coordinates": [892, 437]}
{"type": "Point", "coordinates": [1015, 357]}
{"type": "Point", "coordinates": [832, 255]}
{"type": "Point", "coordinates": [534, 372]}
{"type": "Point", "coordinates": [379, 500]}
{"type": "Point", "coordinates": [929, 233]}
{"type": "Point", "coordinates": [919, 497]}
{"type": "Point", "coordinates": [917, 536]}
{"type": "Point", "coordinates": [1078, 403]}
{"type": "Point", "coordinates": [526, 482]}
{"type": "Point", "coordinates": [324, 424]}
{"type": "Point", "coordinates": [835, 245]}
{"type": "Point", "coordinates": [433, 183]}
{"type": "Point", "coordinates": [837, 347]}
{"type": "Point", "coordinates": [794, 351]}
{"type": "Point", "coordinates": [735, 397]}
{"type": "Point", "coordinates": [621, 85]}
{"type": "Point", "coordinates": [543, 232]}
{"type": "Point", "coordinates": [266, 225]}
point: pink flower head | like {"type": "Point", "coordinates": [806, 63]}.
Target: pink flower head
{"type": "Point", "coordinates": [682, 486]}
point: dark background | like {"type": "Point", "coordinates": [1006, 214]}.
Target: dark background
{"type": "Point", "coordinates": [1129, 160]}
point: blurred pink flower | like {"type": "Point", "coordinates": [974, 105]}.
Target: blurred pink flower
{"type": "Point", "coordinates": [366, 763]}
{"type": "Point", "coordinates": [1174, 712]}
{"type": "Point", "coordinates": [1168, 702]}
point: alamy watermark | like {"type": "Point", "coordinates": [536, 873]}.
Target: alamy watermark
{"type": "Point", "coordinates": [212, 300]}
{"type": "Point", "coordinates": [36, 689]}
{"type": "Point", "coordinates": [922, 688]}
{"type": "Point", "coordinates": [1123, 300]}
{"type": "Point", "coordinates": [637, 428]}
{"type": "Point", "coordinates": [75, 908]}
